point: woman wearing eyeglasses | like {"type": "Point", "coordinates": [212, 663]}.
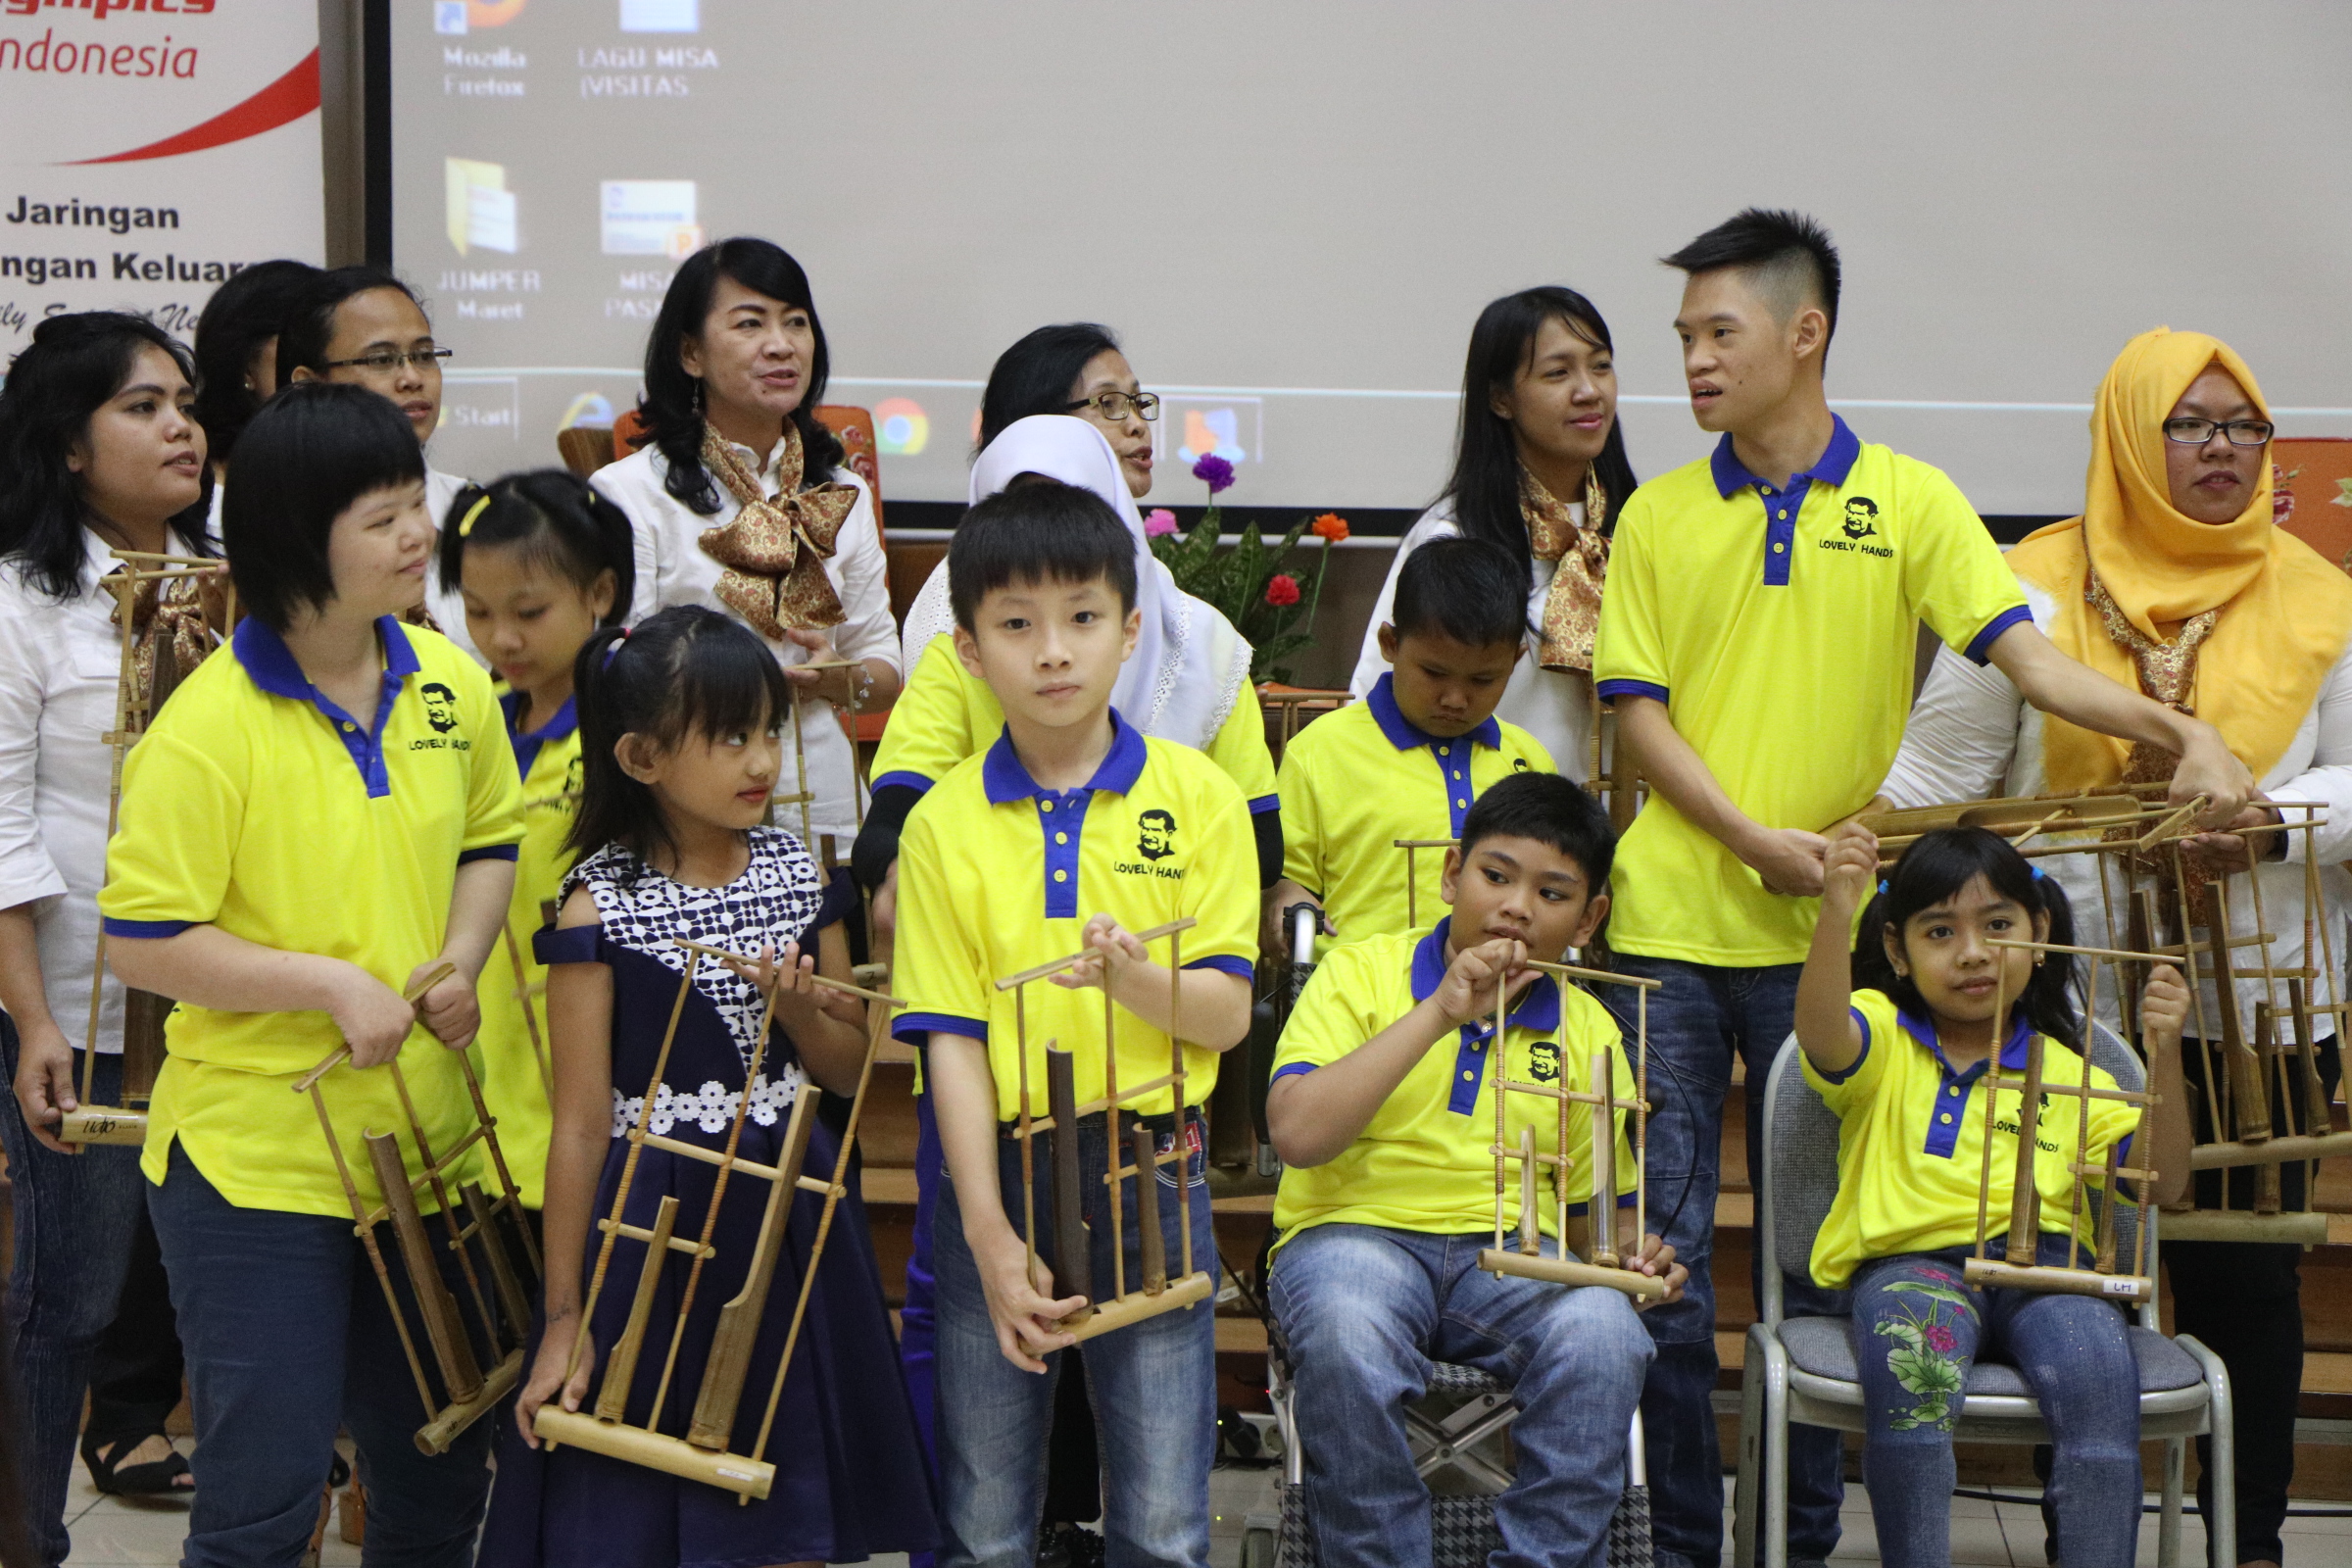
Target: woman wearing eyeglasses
{"type": "Point", "coordinates": [363, 326]}
{"type": "Point", "coordinates": [2175, 579]}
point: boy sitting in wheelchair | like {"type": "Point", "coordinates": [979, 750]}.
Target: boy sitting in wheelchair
{"type": "Point", "coordinates": [1382, 1111]}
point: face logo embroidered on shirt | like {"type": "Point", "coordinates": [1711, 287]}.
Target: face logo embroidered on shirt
{"type": "Point", "coordinates": [1155, 837]}
{"type": "Point", "coordinates": [440, 706]}
{"type": "Point", "coordinates": [1861, 517]}
{"type": "Point", "coordinates": [1544, 1062]}
{"type": "Point", "coordinates": [1519, 765]}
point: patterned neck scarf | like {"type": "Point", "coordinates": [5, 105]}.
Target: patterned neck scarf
{"type": "Point", "coordinates": [775, 549]}
{"type": "Point", "coordinates": [1572, 608]}
{"type": "Point", "coordinates": [2167, 673]}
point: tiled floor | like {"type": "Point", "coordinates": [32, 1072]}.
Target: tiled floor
{"type": "Point", "coordinates": [119, 1532]}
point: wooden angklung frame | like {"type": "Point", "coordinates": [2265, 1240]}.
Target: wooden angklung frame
{"type": "Point", "coordinates": [703, 1454]}
{"type": "Point", "coordinates": [139, 696]}
{"type": "Point", "coordinates": [498, 1260]}
{"type": "Point", "coordinates": [1134, 1157]}
{"type": "Point", "coordinates": [1599, 1104]}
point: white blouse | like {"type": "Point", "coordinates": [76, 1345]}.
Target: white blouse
{"type": "Point", "coordinates": [1554, 706]}
{"type": "Point", "coordinates": [447, 605]}
{"type": "Point", "coordinates": [59, 663]}
{"type": "Point", "coordinates": [672, 568]}
{"type": "Point", "coordinates": [1971, 736]}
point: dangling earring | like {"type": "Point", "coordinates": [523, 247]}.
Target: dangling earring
{"type": "Point", "coordinates": [698, 397]}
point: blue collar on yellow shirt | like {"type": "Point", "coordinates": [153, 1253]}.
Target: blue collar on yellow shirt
{"type": "Point", "coordinates": [1782, 506]}
{"type": "Point", "coordinates": [1955, 1089]}
{"type": "Point", "coordinates": [1538, 1009]}
{"type": "Point", "coordinates": [271, 666]}
{"type": "Point", "coordinates": [1453, 755]}
{"type": "Point", "coordinates": [1062, 814]}
{"type": "Point", "coordinates": [527, 741]}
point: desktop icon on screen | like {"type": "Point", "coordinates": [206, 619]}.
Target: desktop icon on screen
{"type": "Point", "coordinates": [480, 208]}
{"type": "Point", "coordinates": [661, 16]}
{"type": "Point", "coordinates": [493, 13]}
{"type": "Point", "coordinates": [900, 427]}
{"type": "Point", "coordinates": [589, 407]}
{"type": "Point", "coordinates": [649, 217]}
{"type": "Point", "coordinates": [449, 16]}
{"type": "Point", "coordinates": [1212, 429]}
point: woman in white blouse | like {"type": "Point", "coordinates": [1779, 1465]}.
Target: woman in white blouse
{"type": "Point", "coordinates": [740, 502]}
{"type": "Point", "coordinates": [1539, 469]}
{"type": "Point", "coordinates": [2175, 579]}
{"type": "Point", "coordinates": [98, 451]}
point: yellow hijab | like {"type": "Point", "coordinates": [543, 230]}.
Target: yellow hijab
{"type": "Point", "coordinates": [2285, 615]}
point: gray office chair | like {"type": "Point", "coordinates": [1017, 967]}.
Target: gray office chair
{"type": "Point", "coordinates": [1802, 1369]}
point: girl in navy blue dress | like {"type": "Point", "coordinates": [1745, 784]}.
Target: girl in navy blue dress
{"type": "Point", "coordinates": [678, 732]}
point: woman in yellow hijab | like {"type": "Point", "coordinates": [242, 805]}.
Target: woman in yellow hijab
{"type": "Point", "coordinates": [2175, 581]}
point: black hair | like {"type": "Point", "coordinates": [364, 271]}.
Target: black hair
{"type": "Point", "coordinates": [1468, 589]}
{"type": "Point", "coordinates": [308, 324]}
{"type": "Point", "coordinates": [555, 517]}
{"type": "Point", "coordinates": [1549, 809]}
{"type": "Point", "coordinates": [1485, 483]}
{"type": "Point", "coordinates": [1788, 254]}
{"type": "Point", "coordinates": [672, 404]}
{"type": "Point", "coordinates": [244, 314]}
{"type": "Point", "coordinates": [309, 453]}
{"type": "Point", "coordinates": [1039, 529]}
{"type": "Point", "coordinates": [683, 672]}
{"type": "Point", "coordinates": [1035, 376]}
{"type": "Point", "coordinates": [1934, 867]}
{"type": "Point", "coordinates": [73, 366]}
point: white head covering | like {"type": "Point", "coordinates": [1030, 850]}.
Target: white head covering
{"type": "Point", "coordinates": [1189, 667]}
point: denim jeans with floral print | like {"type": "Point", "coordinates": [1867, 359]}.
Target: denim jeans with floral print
{"type": "Point", "coordinates": [1917, 1329]}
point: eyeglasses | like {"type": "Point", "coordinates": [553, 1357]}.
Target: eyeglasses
{"type": "Point", "coordinates": [2196, 433]}
{"type": "Point", "coordinates": [389, 361]}
{"type": "Point", "coordinates": [1115, 406]}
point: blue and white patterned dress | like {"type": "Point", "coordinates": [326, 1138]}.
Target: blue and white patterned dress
{"type": "Point", "coordinates": [851, 1479]}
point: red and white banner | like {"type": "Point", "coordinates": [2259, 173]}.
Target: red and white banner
{"type": "Point", "coordinates": [149, 149]}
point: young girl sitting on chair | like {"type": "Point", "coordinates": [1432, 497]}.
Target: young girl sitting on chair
{"type": "Point", "coordinates": [680, 740]}
{"type": "Point", "coordinates": [1897, 1038]}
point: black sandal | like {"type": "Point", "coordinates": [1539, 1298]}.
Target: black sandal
{"type": "Point", "coordinates": [156, 1477]}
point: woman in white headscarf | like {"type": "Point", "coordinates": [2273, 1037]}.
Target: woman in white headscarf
{"type": "Point", "coordinates": [1187, 681]}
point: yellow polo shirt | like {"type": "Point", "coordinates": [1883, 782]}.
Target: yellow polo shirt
{"type": "Point", "coordinates": [1355, 782]}
{"type": "Point", "coordinates": [1779, 629]}
{"type": "Point", "coordinates": [997, 874]}
{"type": "Point", "coordinates": [1911, 1142]}
{"type": "Point", "coordinates": [258, 806]}
{"type": "Point", "coordinates": [505, 1053]}
{"type": "Point", "coordinates": [1425, 1162]}
{"type": "Point", "coordinates": [945, 716]}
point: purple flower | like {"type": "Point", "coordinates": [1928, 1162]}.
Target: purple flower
{"type": "Point", "coordinates": [1159, 522]}
{"type": "Point", "coordinates": [1941, 1340]}
{"type": "Point", "coordinates": [1214, 472]}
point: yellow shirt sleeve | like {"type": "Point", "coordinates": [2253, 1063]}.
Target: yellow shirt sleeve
{"type": "Point", "coordinates": [1328, 1022]}
{"type": "Point", "coordinates": [1302, 846]}
{"type": "Point", "coordinates": [183, 813]}
{"type": "Point", "coordinates": [1221, 892]}
{"type": "Point", "coordinates": [1952, 570]}
{"type": "Point", "coordinates": [493, 787]}
{"type": "Point", "coordinates": [1629, 648]}
{"type": "Point", "coordinates": [941, 969]}
{"type": "Point", "coordinates": [1855, 1087]}
{"type": "Point", "coordinates": [930, 725]}
{"type": "Point", "coordinates": [1239, 746]}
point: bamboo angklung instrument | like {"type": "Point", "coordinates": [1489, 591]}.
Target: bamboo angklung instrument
{"type": "Point", "coordinates": [492, 1230]}
{"type": "Point", "coordinates": [704, 1454]}
{"type": "Point", "coordinates": [2020, 1268]}
{"type": "Point", "coordinates": [1606, 1266]}
{"type": "Point", "coordinates": [1131, 1156]}
{"type": "Point", "coordinates": [1412, 848]}
{"type": "Point", "coordinates": [137, 700]}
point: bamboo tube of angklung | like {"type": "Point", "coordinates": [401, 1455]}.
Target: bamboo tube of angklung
{"type": "Point", "coordinates": [444, 1326]}
{"type": "Point", "coordinates": [2025, 1198]}
{"type": "Point", "coordinates": [730, 1361]}
{"type": "Point", "coordinates": [1073, 1267]}
{"type": "Point", "coordinates": [2249, 1096]}
{"type": "Point", "coordinates": [1603, 1206]}
{"type": "Point", "coordinates": [621, 1366]}
{"type": "Point", "coordinates": [1146, 1209]}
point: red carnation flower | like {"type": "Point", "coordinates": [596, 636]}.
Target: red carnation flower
{"type": "Point", "coordinates": [1282, 590]}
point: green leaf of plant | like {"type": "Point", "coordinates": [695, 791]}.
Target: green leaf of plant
{"type": "Point", "coordinates": [1940, 1293]}
{"type": "Point", "coordinates": [1904, 1330]}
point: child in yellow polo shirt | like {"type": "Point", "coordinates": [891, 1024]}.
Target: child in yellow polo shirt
{"type": "Point", "coordinates": [1069, 833]}
{"type": "Point", "coordinates": [1408, 761]}
{"type": "Point", "coordinates": [539, 561]}
{"type": "Point", "coordinates": [1899, 1060]}
{"type": "Point", "coordinates": [324, 812]}
{"type": "Point", "coordinates": [1382, 1110]}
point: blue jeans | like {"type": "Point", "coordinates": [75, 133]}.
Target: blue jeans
{"type": "Point", "coordinates": [76, 1214]}
{"type": "Point", "coordinates": [1701, 1018]}
{"type": "Point", "coordinates": [915, 1335]}
{"type": "Point", "coordinates": [1365, 1309]}
{"type": "Point", "coordinates": [287, 1337]}
{"type": "Point", "coordinates": [1917, 1327]}
{"type": "Point", "coordinates": [1153, 1383]}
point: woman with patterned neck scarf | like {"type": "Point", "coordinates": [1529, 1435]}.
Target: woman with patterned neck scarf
{"type": "Point", "coordinates": [741, 503]}
{"type": "Point", "coordinates": [2176, 581]}
{"type": "Point", "coordinates": [1539, 469]}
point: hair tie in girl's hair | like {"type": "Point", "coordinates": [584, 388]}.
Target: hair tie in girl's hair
{"type": "Point", "coordinates": [613, 649]}
{"type": "Point", "coordinates": [2039, 875]}
{"type": "Point", "coordinates": [1882, 887]}
{"type": "Point", "coordinates": [472, 515]}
